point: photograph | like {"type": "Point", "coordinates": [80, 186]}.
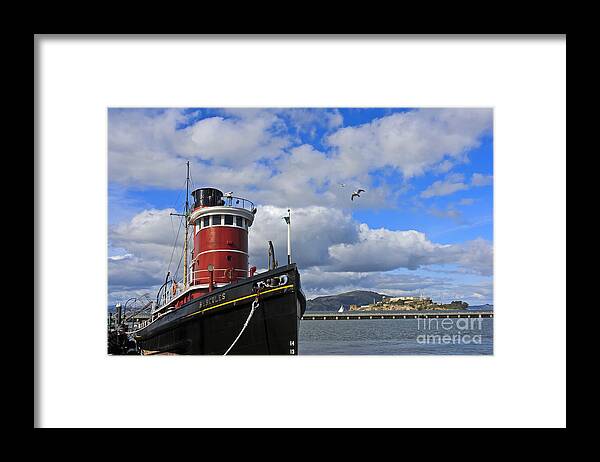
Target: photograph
{"type": "Point", "coordinates": [300, 231]}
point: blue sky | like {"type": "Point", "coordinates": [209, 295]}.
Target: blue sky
{"type": "Point", "coordinates": [424, 223]}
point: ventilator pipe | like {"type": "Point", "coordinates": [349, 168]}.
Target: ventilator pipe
{"type": "Point", "coordinates": [211, 278]}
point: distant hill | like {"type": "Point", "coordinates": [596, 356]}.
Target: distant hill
{"type": "Point", "coordinates": [333, 302]}
{"type": "Point", "coordinates": [481, 307]}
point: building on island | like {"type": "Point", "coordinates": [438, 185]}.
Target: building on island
{"type": "Point", "coordinates": [409, 303]}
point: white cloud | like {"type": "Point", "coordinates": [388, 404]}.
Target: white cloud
{"type": "Point", "coordinates": [326, 242]}
{"type": "Point", "coordinates": [306, 120]}
{"type": "Point", "coordinates": [306, 176]}
{"type": "Point", "coordinates": [120, 257]}
{"type": "Point", "coordinates": [446, 187]}
{"type": "Point", "coordinates": [143, 148]}
{"type": "Point", "coordinates": [476, 256]}
{"type": "Point", "coordinates": [147, 149]}
{"type": "Point", "coordinates": [454, 183]}
{"type": "Point", "coordinates": [443, 167]}
{"type": "Point", "coordinates": [234, 142]}
{"type": "Point", "coordinates": [314, 230]}
{"type": "Point", "coordinates": [148, 239]}
{"type": "Point", "coordinates": [447, 213]}
{"type": "Point", "coordinates": [254, 152]}
{"type": "Point", "coordinates": [384, 250]}
{"type": "Point", "coordinates": [412, 142]}
{"type": "Point", "coordinates": [149, 226]}
{"type": "Point", "coordinates": [319, 282]}
{"type": "Point", "coordinates": [121, 295]}
{"type": "Point", "coordinates": [134, 273]}
{"type": "Point", "coordinates": [441, 288]}
{"type": "Point", "coordinates": [258, 154]}
{"type": "Point", "coordinates": [479, 179]}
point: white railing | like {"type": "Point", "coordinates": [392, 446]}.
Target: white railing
{"type": "Point", "coordinates": [172, 291]}
{"type": "Point", "coordinates": [200, 277]}
{"type": "Point", "coordinates": [238, 202]}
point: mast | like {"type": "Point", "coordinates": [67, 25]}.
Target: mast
{"type": "Point", "coordinates": [186, 217]}
{"type": "Point", "coordinates": [288, 220]}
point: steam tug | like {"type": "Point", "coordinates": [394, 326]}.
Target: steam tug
{"type": "Point", "coordinates": [222, 306]}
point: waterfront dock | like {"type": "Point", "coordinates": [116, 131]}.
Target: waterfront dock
{"type": "Point", "coordinates": [396, 315]}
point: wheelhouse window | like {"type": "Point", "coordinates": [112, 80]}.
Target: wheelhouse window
{"type": "Point", "coordinates": [229, 220]}
{"type": "Point", "coordinates": [216, 220]}
{"type": "Point", "coordinates": [239, 222]}
{"type": "Point", "coordinates": [206, 222]}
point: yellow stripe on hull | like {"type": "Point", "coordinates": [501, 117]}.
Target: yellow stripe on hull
{"type": "Point", "coordinates": [239, 299]}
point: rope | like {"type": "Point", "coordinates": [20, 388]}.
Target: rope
{"type": "Point", "coordinates": [178, 264]}
{"type": "Point", "coordinates": [174, 243]}
{"type": "Point", "coordinates": [254, 306]}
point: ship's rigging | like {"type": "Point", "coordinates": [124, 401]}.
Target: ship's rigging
{"type": "Point", "coordinates": [186, 219]}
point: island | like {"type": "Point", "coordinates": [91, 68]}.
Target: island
{"type": "Point", "coordinates": [409, 304]}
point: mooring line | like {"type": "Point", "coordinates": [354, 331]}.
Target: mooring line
{"type": "Point", "coordinates": [254, 306]}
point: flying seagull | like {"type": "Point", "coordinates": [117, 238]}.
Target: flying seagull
{"type": "Point", "coordinates": [342, 185]}
{"type": "Point", "coordinates": [356, 194]}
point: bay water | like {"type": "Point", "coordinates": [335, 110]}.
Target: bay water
{"type": "Point", "coordinates": [452, 336]}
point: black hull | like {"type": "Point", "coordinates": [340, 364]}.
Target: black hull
{"type": "Point", "coordinates": [209, 325]}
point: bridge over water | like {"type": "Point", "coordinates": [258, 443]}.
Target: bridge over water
{"type": "Point", "coordinates": [397, 315]}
